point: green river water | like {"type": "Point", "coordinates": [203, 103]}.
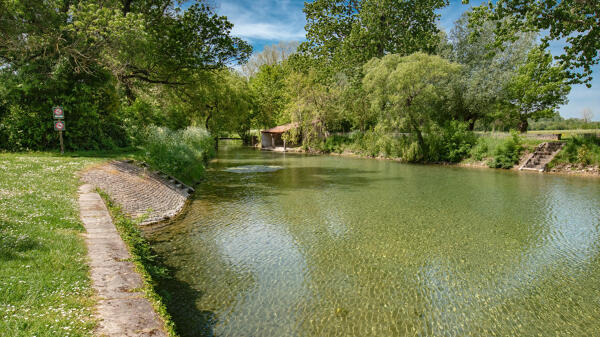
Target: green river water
{"type": "Point", "coordinates": [297, 245]}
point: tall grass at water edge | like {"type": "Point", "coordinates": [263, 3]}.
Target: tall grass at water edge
{"type": "Point", "coordinates": [180, 153]}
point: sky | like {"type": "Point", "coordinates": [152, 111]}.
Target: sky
{"type": "Point", "coordinates": [266, 22]}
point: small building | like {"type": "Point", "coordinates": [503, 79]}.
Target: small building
{"type": "Point", "coordinates": [271, 139]}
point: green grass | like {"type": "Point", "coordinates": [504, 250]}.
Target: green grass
{"type": "Point", "coordinates": [488, 145]}
{"type": "Point", "coordinates": [45, 288]}
{"type": "Point", "coordinates": [565, 133]}
{"type": "Point", "coordinates": [579, 150]}
{"type": "Point", "coordinates": [44, 285]}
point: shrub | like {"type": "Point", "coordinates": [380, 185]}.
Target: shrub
{"type": "Point", "coordinates": [480, 150]}
{"type": "Point", "coordinates": [450, 143]}
{"type": "Point", "coordinates": [181, 153]}
{"type": "Point", "coordinates": [580, 150]}
{"type": "Point", "coordinates": [335, 143]}
{"type": "Point", "coordinates": [508, 153]}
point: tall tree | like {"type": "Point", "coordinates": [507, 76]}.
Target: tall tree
{"type": "Point", "coordinates": [269, 89]}
{"type": "Point", "coordinates": [270, 55]}
{"type": "Point", "coordinates": [538, 89]}
{"type": "Point", "coordinates": [49, 48]}
{"type": "Point", "coordinates": [577, 22]}
{"type": "Point", "coordinates": [486, 70]}
{"type": "Point", "coordinates": [343, 35]}
{"type": "Point", "coordinates": [406, 91]}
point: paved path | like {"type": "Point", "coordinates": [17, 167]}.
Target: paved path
{"type": "Point", "coordinates": [122, 309]}
{"type": "Point", "coordinates": [137, 190]}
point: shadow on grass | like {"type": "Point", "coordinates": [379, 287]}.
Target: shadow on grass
{"type": "Point", "coordinates": [11, 244]}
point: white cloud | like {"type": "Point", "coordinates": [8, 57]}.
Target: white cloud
{"type": "Point", "coordinates": [265, 19]}
{"type": "Point", "coordinates": [267, 31]}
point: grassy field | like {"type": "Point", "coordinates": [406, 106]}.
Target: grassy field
{"type": "Point", "coordinates": [564, 133]}
{"type": "Point", "coordinates": [44, 284]}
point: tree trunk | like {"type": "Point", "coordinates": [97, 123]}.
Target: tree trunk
{"type": "Point", "coordinates": [472, 124]}
{"type": "Point", "coordinates": [523, 125]}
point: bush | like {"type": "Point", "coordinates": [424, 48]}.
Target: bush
{"type": "Point", "coordinates": [451, 143]}
{"type": "Point", "coordinates": [335, 143]}
{"type": "Point", "coordinates": [508, 153]}
{"type": "Point", "coordinates": [580, 150]}
{"type": "Point", "coordinates": [181, 153]}
{"type": "Point", "coordinates": [480, 150]}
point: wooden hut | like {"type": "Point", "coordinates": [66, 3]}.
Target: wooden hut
{"type": "Point", "coordinates": [271, 139]}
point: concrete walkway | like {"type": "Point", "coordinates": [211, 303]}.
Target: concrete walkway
{"type": "Point", "coordinates": [122, 309]}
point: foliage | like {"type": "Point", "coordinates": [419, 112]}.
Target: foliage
{"type": "Point", "coordinates": [96, 60]}
{"type": "Point", "coordinates": [450, 143]}
{"type": "Point", "coordinates": [406, 92]}
{"type": "Point", "coordinates": [557, 122]}
{"type": "Point", "coordinates": [577, 22]}
{"type": "Point", "coordinates": [486, 71]}
{"type": "Point", "coordinates": [335, 143]}
{"type": "Point", "coordinates": [269, 56]}
{"type": "Point", "coordinates": [268, 87]}
{"type": "Point", "coordinates": [229, 104]}
{"type": "Point", "coordinates": [580, 150]}
{"type": "Point", "coordinates": [538, 88]}
{"type": "Point", "coordinates": [313, 105]}
{"type": "Point", "coordinates": [509, 153]}
{"type": "Point", "coordinates": [181, 153]}
{"type": "Point", "coordinates": [344, 34]}
{"type": "Point", "coordinates": [480, 150]}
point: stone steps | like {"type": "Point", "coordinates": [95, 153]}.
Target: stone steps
{"type": "Point", "coordinates": [542, 155]}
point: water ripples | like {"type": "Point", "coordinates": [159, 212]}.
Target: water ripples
{"type": "Point", "coordinates": [343, 247]}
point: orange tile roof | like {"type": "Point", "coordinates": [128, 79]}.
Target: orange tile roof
{"type": "Point", "coordinates": [281, 128]}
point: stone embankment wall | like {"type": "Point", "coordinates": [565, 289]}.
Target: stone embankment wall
{"type": "Point", "coordinates": [138, 190]}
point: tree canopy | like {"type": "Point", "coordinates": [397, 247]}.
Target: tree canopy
{"type": "Point", "coordinates": [87, 55]}
{"type": "Point", "coordinates": [577, 22]}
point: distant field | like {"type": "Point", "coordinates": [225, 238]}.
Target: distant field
{"type": "Point", "coordinates": [565, 132]}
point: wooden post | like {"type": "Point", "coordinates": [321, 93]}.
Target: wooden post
{"type": "Point", "coordinates": [62, 147]}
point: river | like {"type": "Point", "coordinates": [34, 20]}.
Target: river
{"type": "Point", "coordinates": [301, 245]}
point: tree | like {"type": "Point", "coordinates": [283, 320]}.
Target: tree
{"type": "Point", "coordinates": [344, 34]}
{"type": "Point", "coordinates": [313, 105]}
{"type": "Point", "coordinates": [405, 91]}
{"type": "Point", "coordinates": [74, 52]}
{"type": "Point", "coordinates": [269, 90]}
{"type": "Point", "coordinates": [538, 89]}
{"type": "Point", "coordinates": [486, 69]}
{"type": "Point", "coordinates": [587, 115]}
{"type": "Point", "coordinates": [270, 55]}
{"type": "Point", "coordinates": [577, 22]}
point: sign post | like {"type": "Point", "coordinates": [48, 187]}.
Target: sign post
{"type": "Point", "coordinates": [59, 124]}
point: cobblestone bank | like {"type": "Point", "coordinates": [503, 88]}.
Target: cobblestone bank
{"type": "Point", "coordinates": [138, 190]}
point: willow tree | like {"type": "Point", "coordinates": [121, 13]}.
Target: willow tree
{"type": "Point", "coordinates": [406, 91]}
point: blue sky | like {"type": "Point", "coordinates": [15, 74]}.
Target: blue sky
{"type": "Point", "coordinates": [266, 22]}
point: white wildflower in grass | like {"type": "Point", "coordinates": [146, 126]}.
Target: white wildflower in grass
{"type": "Point", "coordinates": [44, 285]}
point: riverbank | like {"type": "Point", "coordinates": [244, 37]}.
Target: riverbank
{"type": "Point", "coordinates": [580, 155]}
{"type": "Point", "coordinates": [45, 285]}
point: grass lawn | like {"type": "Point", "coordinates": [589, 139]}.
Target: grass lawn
{"type": "Point", "coordinates": [44, 285]}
